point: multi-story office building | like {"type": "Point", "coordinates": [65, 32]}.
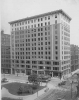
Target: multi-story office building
{"type": "Point", "coordinates": [5, 53]}
{"type": "Point", "coordinates": [74, 57]}
{"type": "Point", "coordinates": [41, 44]}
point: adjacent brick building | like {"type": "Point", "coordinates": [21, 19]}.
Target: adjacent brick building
{"type": "Point", "coordinates": [5, 53]}
{"type": "Point", "coordinates": [74, 57]}
{"type": "Point", "coordinates": [41, 44]}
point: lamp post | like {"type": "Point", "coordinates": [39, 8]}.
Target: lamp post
{"type": "Point", "coordinates": [71, 88]}
{"type": "Point", "coordinates": [71, 84]}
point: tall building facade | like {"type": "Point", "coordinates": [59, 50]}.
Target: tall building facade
{"type": "Point", "coordinates": [41, 44]}
{"type": "Point", "coordinates": [74, 57]}
{"type": "Point", "coordinates": [5, 53]}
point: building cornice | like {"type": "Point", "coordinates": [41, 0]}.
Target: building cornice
{"type": "Point", "coordinates": [41, 15]}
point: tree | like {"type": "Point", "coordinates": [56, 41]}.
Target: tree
{"type": "Point", "coordinates": [33, 78]}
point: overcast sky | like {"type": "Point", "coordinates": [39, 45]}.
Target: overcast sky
{"type": "Point", "coordinates": [17, 9]}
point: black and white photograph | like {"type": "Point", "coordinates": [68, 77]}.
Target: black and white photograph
{"type": "Point", "coordinates": [39, 42]}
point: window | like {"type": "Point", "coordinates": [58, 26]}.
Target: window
{"type": "Point", "coordinates": [48, 33]}
{"type": "Point", "coordinates": [41, 48]}
{"type": "Point", "coordinates": [56, 42]}
{"type": "Point", "coordinates": [41, 29]}
{"type": "Point", "coordinates": [46, 52]}
{"type": "Point", "coordinates": [28, 22]}
{"type": "Point", "coordinates": [41, 38]}
{"type": "Point", "coordinates": [38, 25]}
{"type": "Point", "coordinates": [56, 58]}
{"type": "Point", "coordinates": [41, 34]}
{"type": "Point", "coordinates": [55, 32]}
{"type": "Point", "coordinates": [48, 23]}
{"type": "Point", "coordinates": [38, 39]}
{"type": "Point", "coordinates": [38, 20]}
{"type": "Point", "coordinates": [41, 24]}
{"type": "Point", "coordinates": [45, 33]}
{"type": "Point", "coordinates": [55, 26]}
{"type": "Point", "coordinates": [26, 27]}
{"type": "Point", "coordinates": [34, 25]}
{"type": "Point", "coordinates": [49, 52]}
{"type": "Point", "coordinates": [45, 23]}
{"type": "Point", "coordinates": [56, 52]}
{"type": "Point", "coordinates": [32, 21]}
{"type": "Point", "coordinates": [45, 38]}
{"type": "Point", "coordinates": [48, 17]}
{"type": "Point", "coordinates": [31, 26]}
{"type": "Point", "coordinates": [41, 19]}
{"type": "Point", "coordinates": [56, 37]}
{"type": "Point", "coordinates": [55, 21]}
{"type": "Point", "coordinates": [56, 16]}
{"type": "Point", "coordinates": [45, 28]}
{"type": "Point", "coordinates": [49, 43]}
{"type": "Point", "coordinates": [45, 43]}
{"type": "Point", "coordinates": [41, 43]}
{"type": "Point", "coordinates": [20, 23]}
{"type": "Point", "coordinates": [45, 18]}
{"type": "Point", "coordinates": [34, 30]}
{"type": "Point", "coordinates": [56, 47]}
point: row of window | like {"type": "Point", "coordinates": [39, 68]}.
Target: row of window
{"type": "Point", "coordinates": [28, 27]}
{"type": "Point", "coordinates": [28, 57]}
{"type": "Point", "coordinates": [28, 44]}
{"type": "Point", "coordinates": [33, 20]}
{"type": "Point", "coordinates": [28, 53]}
{"type": "Point", "coordinates": [36, 62]}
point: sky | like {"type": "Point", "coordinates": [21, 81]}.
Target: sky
{"type": "Point", "coordinates": [17, 9]}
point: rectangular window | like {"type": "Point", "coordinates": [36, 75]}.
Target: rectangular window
{"type": "Point", "coordinates": [55, 32]}
{"type": "Point", "coordinates": [41, 29]}
{"type": "Point", "coordinates": [45, 33]}
{"type": "Point", "coordinates": [48, 17]}
{"type": "Point", "coordinates": [56, 47]}
{"type": "Point", "coordinates": [56, 42]}
{"type": "Point", "coordinates": [55, 21]}
{"type": "Point", "coordinates": [56, 37]}
{"type": "Point", "coordinates": [55, 26]}
{"type": "Point", "coordinates": [45, 18]}
{"type": "Point", "coordinates": [41, 24]}
{"type": "Point", "coordinates": [56, 16]}
{"type": "Point", "coordinates": [48, 23]}
{"type": "Point", "coordinates": [41, 34]}
{"type": "Point", "coordinates": [41, 19]}
{"type": "Point", "coordinates": [38, 19]}
{"type": "Point", "coordinates": [28, 22]}
{"type": "Point", "coordinates": [34, 25]}
{"type": "Point", "coordinates": [38, 29]}
{"type": "Point", "coordinates": [45, 23]}
{"type": "Point", "coordinates": [45, 28]}
{"type": "Point", "coordinates": [38, 25]}
{"type": "Point", "coordinates": [45, 38]}
{"type": "Point", "coordinates": [38, 34]}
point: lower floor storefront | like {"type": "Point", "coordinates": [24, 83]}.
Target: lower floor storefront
{"type": "Point", "coordinates": [6, 71]}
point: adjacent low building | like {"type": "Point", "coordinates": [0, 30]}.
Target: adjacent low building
{"type": "Point", "coordinates": [41, 44]}
{"type": "Point", "coordinates": [74, 57]}
{"type": "Point", "coordinates": [5, 53]}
